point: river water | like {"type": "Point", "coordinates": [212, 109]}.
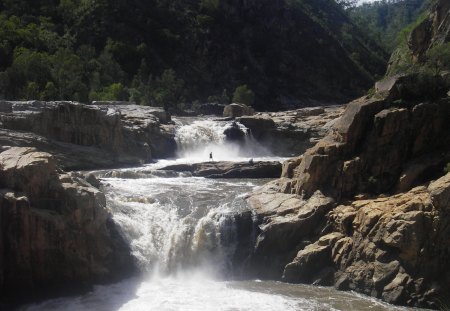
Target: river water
{"type": "Point", "coordinates": [182, 231]}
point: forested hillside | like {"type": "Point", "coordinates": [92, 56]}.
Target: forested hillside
{"type": "Point", "coordinates": [157, 52]}
{"type": "Point", "coordinates": [389, 21]}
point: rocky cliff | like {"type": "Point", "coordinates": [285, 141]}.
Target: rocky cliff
{"type": "Point", "coordinates": [88, 136]}
{"type": "Point", "coordinates": [290, 133]}
{"type": "Point", "coordinates": [431, 33]}
{"type": "Point", "coordinates": [357, 210]}
{"type": "Point", "coordinates": [56, 235]}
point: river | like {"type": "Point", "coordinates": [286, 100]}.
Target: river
{"type": "Point", "coordinates": [182, 232]}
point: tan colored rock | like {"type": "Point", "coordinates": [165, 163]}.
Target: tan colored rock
{"type": "Point", "coordinates": [237, 110]}
{"type": "Point", "coordinates": [55, 231]}
{"type": "Point", "coordinates": [88, 136]}
{"type": "Point", "coordinates": [440, 192]}
{"type": "Point", "coordinates": [289, 166]}
{"type": "Point", "coordinates": [311, 260]}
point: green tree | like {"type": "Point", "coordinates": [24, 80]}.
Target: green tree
{"type": "Point", "coordinates": [115, 91]}
{"type": "Point", "coordinates": [31, 91]}
{"type": "Point", "coordinates": [244, 95]}
{"type": "Point", "coordinates": [438, 58]}
{"type": "Point", "coordinates": [50, 92]}
{"type": "Point", "coordinates": [169, 90]}
{"type": "Point", "coordinates": [67, 72]}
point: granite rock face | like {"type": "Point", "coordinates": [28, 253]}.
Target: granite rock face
{"type": "Point", "coordinates": [56, 235]}
{"type": "Point", "coordinates": [395, 248]}
{"type": "Point", "coordinates": [291, 133]}
{"type": "Point", "coordinates": [88, 136]}
{"type": "Point", "coordinates": [373, 147]}
{"type": "Point", "coordinates": [358, 211]}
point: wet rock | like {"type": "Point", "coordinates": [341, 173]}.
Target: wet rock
{"type": "Point", "coordinates": [56, 235]}
{"type": "Point", "coordinates": [234, 133]}
{"type": "Point", "coordinates": [229, 169]}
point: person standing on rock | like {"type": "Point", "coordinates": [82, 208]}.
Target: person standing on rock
{"type": "Point", "coordinates": [210, 157]}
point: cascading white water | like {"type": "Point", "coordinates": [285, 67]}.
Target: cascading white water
{"type": "Point", "coordinates": [174, 223]}
{"type": "Point", "coordinates": [182, 233]}
{"type": "Point", "coordinates": [198, 139]}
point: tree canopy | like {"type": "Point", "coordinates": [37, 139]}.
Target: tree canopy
{"type": "Point", "coordinates": [168, 53]}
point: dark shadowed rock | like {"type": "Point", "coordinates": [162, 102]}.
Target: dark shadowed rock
{"type": "Point", "coordinates": [211, 109]}
{"type": "Point", "coordinates": [234, 133]}
{"type": "Point", "coordinates": [229, 169]}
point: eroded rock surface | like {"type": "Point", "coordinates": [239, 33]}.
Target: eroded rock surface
{"type": "Point", "coordinates": [88, 136]}
{"type": "Point", "coordinates": [395, 248]}
{"type": "Point", "coordinates": [56, 235]}
{"type": "Point", "coordinates": [292, 132]}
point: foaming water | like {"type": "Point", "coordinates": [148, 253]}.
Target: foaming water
{"type": "Point", "coordinates": [175, 223]}
{"type": "Point", "coordinates": [198, 139]}
{"type": "Point", "coordinates": [195, 291]}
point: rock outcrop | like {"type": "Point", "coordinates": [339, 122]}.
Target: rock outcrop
{"type": "Point", "coordinates": [432, 31]}
{"type": "Point", "coordinates": [237, 110]}
{"type": "Point", "coordinates": [291, 133]}
{"type": "Point", "coordinates": [229, 169]}
{"type": "Point", "coordinates": [88, 136]}
{"type": "Point", "coordinates": [56, 235]}
{"type": "Point", "coordinates": [374, 145]}
{"type": "Point", "coordinates": [357, 211]}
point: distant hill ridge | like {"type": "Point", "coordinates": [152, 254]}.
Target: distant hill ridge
{"type": "Point", "coordinates": [294, 52]}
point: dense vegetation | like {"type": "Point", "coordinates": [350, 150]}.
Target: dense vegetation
{"type": "Point", "coordinates": [171, 52]}
{"type": "Point", "coordinates": [389, 21]}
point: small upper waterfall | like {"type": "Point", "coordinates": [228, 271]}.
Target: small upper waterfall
{"type": "Point", "coordinates": [196, 140]}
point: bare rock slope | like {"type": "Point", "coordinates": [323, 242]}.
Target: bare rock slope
{"type": "Point", "coordinates": [56, 235]}
{"type": "Point", "coordinates": [88, 136]}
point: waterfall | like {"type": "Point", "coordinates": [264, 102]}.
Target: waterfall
{"type": "Point", "coordinates": [196, 140]}
{"type": "Point", "coordinates": [187, 235]}
{"type": "Point", "coordinates": [178, 223]}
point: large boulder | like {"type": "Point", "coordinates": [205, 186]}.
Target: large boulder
{"type": "Point", "coordinates": [234, 133]}
{"type": "Point", "coordinates": [237, 110]}
{"type": "Point", "coordinates": [56, 235]}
